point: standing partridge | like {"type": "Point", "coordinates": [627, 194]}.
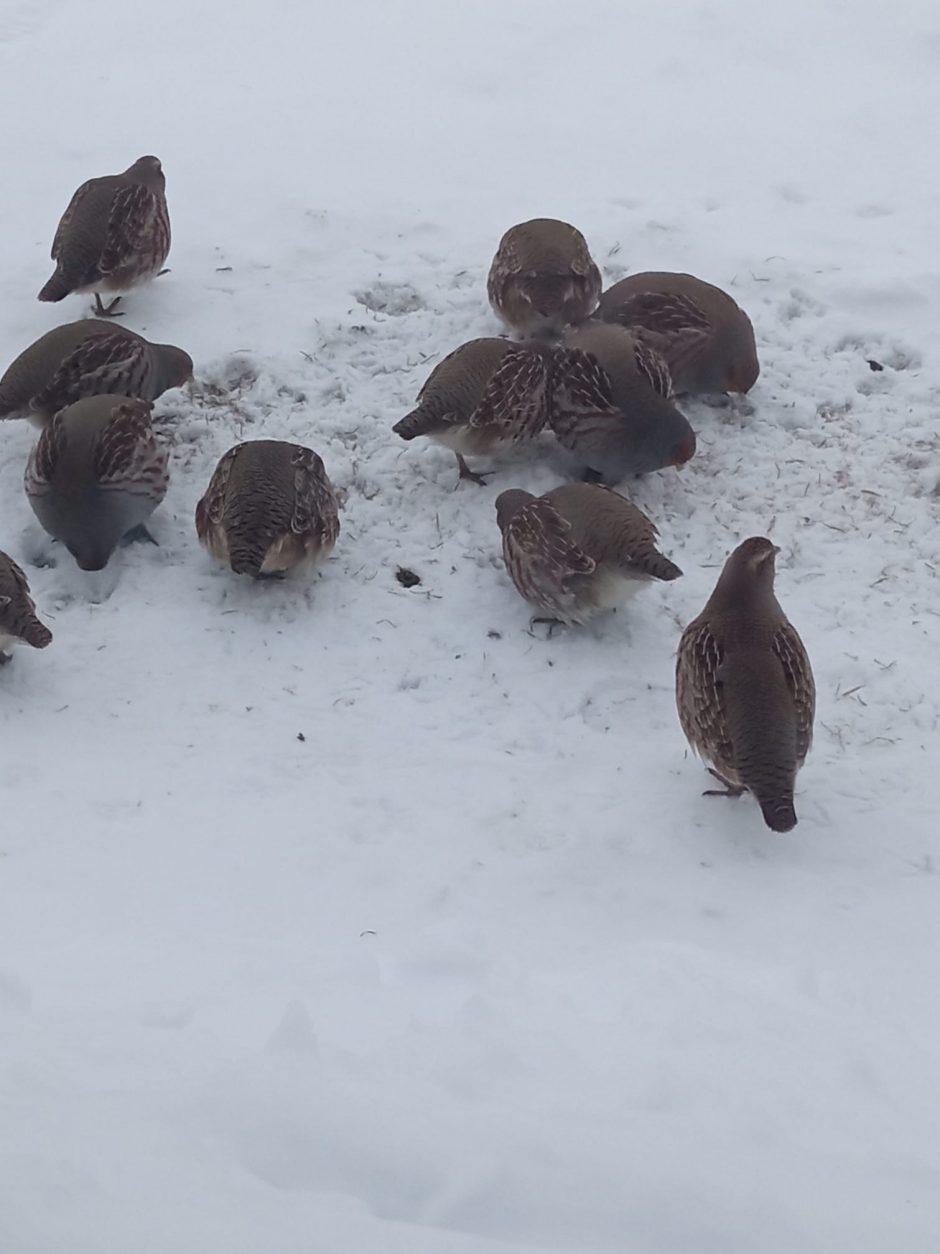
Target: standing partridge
{"type": "Point", "coordinates": [88, 358]}
{"type": "Point", "coordinates": [18, 619]}
{"type": "Point", "coordinates": [269, 507]}
{"type": "Point", "coordinates": [612, 404]}
{"type": "Point", "coordinates": [114, 235]}
{"type": "Point", "coordinates": [706, 339]}
{"type": "Point", "coordinates": [579, 549]}
{"type": "Point", "coordinates": [96, 473]}
{"type": "Point", "coordinates": [543, 278]}
{"type": "Point", "coordinates": [484, 394]}
{"type": "Point", "coordinates": [744, 686]}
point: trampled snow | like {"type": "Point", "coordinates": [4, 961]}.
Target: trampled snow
{"type": "Point", "coordinates": [343, 918]}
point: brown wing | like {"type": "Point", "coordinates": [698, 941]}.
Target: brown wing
{"type": "Point", "coordinates": [699, 697]}
{"type": "Point", "coordinates": [581, 395]}
{"type": "Point", "coordinates": [16, 575]}
{"type": "Point", "coordinates": [663, 313]}
{"type": "Point", "coordinates": [66, 219]}
{"type": "Point", "coordinates": [517, 398]}
{"type": "Point", "coordinates": [652, 366]}
{"type": "Point", "coordinates": [137, 224]}
{"type": "Point", "coordinates": [211, 507]}
{"type": "Point", "coordinates": [40, 468]}
{"type": "Point", "coordinates": [793, 657]}
{"type": "Point", "coordinates": [315, 508]}
{"type": "Point", "coordinates": [92, 369]}
{"type": "Point", "coordinates": [127, 455]}
{"type": "Point", "coordinates": [542, 557]}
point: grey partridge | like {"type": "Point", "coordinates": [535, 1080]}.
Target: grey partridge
{"type": "Point", "coordinates": [744, 686]}
{"type": "Point", "coordinates": [543, 277]}
{"type": "Point", "coordinates": [705, 337]}
{"type": "Point", "coordinates": [18, 620]}
{"type": "Point", "coordinates": [96, 473]}
{"type": "Point", "coordinates": [269, 507]}
{"type": "Point", "coordinates": [114, 235]}
{"type": "Point", "coordinates": [612, 404]}
{"type": "Point", "coordinates": [487, 393]}
{"type": "Point", "coordinates": [88, 358]}
{"type": "Point", "coordinates": [579, 549]}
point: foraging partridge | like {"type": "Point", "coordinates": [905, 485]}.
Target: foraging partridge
{"type": "Point", "coordinates": [269, 507]}
{"type": "Point", "coordinates": [486, 393]}
{"type": "Point", "coordinates": [744, 686]}
{"type": "Point", "coordinates": [88, 358]}
{"type": "Point", "coordinates": [18, 619]}
{"type": "Point", "coordinates": [612, 404]}
{"type": "Point", "coordinates": [579, 549]}
{"type": "Point", "coordinates": [96, 473]}
{"type": "Point", "coordinates": [543, 277]}
{"type": "Point", "coordinates": [114, 235]}
{"type": "Point", "coordinates": [706, 339]}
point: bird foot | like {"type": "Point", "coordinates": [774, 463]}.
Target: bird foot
{"type": "Point", "coordinates": [729, 790]}
{"type": "Point", "coordinates": [138, 534]}
{"type": "Point", "coordinates": [549, 623]}
{"type": "Point", "coordinates": [472, 475]}
{"type": "Point", "coordinates": [107, 311]}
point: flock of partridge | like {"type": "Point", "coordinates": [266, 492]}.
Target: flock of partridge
{"type": "Point", "coordinates": [598, 370]}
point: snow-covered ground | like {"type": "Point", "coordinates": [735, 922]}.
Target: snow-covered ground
{"type": "Point", "coordinates": [353, 919]}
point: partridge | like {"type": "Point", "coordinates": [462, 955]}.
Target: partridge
{"type": "Point", "coordinates": [705, 337]}
{"type": "Point", "coordinates": [484, 394]}
{"type": "Point", "coordinates": [18, 619]}
{"type": "Point", "coordinates": [88, 358]}
{"type": "Point", "coordinates": [744, 686]}
{"type": "Point", "coordinates": [543, 278]}
{"type": "Point", "coordinates": [269, 507]}
{"type": "Point", "coordinates": [579, 549]}
{"type": "Point", "coordinates": [96, 473]}
{"type": "Point", "coordinates": [612, 404]}
{"type": "Point", "coordinates": [114, 235]}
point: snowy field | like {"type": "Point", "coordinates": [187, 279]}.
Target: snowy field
{"type": "Point", "coordinates": [345, 918]}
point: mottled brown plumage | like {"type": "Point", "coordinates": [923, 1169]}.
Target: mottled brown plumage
{"type": "Point", "coordinates": [543, 277]}
{"type": "Point", "coordinates": [706, 339]}
{"type": "Point", "coordinates": [487, 393]}
{"type": "Point", "coordinates": [96, 473]}
{"type": "Point", "coordinates": [579, 549]}
{"type": "Point", "coordinates": [88, 358]}
{"type": "Point", "coordinates": [18, 620]}
{"type": "Point", "coordinates": [612, 404]}
{"type": "Point", "coordinates": [269, 507]}
{"type": "Point", "coordinates": [114, 234]}
{"type": "Point", "coordinates": [744, 685]}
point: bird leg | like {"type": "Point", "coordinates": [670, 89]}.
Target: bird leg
{"type": "Point", "coordinates": [467, 473]}
{"type": "Point", "coordinates": [729, 790]}
{"type": "Point", "coordinates": [165, 270]}
{"type": "Point", "coordinates": [5, 657]}
{"type": "Point", "coordinates": [550, 623]}
{"type": "Point", "coordinates": [106, 311]}
{"type": "Point", "coordinates": [138, 533]}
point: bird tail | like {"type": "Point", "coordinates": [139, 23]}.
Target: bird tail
{"type": "Point", "coordinates": [247, 554]}
{"type": "Point", "coordinates": [36, 633]}
{"type": "Point", "coordinates": [57, 288]}
{"type": "Point", "coordinates": [414, 424]}
{"type": "Point", "coordinates": [660, 567]}
{"type": "Point", "coordinates": [779, 814]}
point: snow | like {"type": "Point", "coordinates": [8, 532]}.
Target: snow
{"type": "Point", "coordinates": [473, 968]}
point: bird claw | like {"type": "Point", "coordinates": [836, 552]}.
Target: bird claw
{"type": "Point", "coordinates": [107, 311]}
{"type": "Point", "coordinates": [550, 623]}
{"type": "Point", "coordinates": [729, 790]}
{"type": "Point", "coordinates": [473, 475]}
